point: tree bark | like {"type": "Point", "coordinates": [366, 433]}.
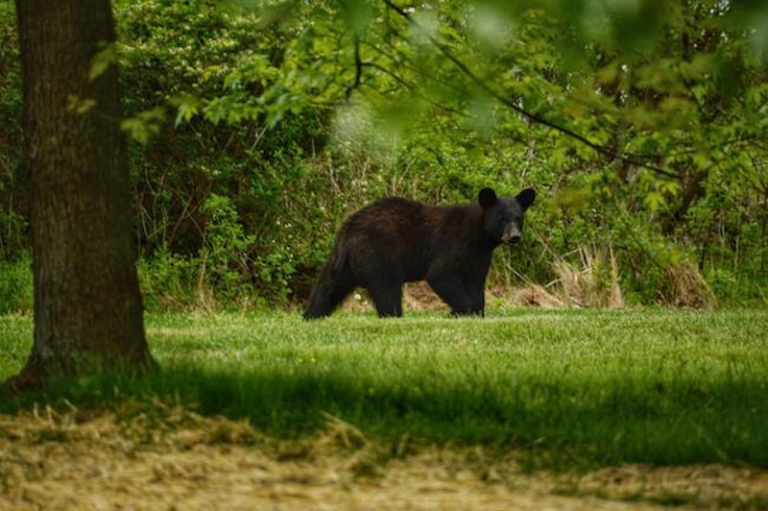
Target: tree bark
{"type": "Point", "coordinates": [87, 304]}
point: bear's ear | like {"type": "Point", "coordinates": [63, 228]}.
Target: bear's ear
{"type": "Point", "coordinates": [487, 198]}
{"type": "Point", "coordinates": [526, 198]}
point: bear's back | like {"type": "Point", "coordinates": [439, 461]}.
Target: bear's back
{"type": "Point", "coordinates": [407, 233]}
{"type": "Point", "coordinates": [390, 216]}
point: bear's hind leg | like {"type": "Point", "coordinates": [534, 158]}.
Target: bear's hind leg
{"type": "Point", "coordinates": [330, 291]}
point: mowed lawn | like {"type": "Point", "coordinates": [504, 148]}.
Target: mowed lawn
{"type": "Point", "coordinates": [571, 387]}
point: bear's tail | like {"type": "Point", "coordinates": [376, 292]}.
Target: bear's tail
{"type": "Point", "coordinates": [340, 257]}
{"type": "Point", "coordinates": [335, 283]}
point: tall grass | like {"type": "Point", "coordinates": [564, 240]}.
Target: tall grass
{"type": "Point", "coordinates": [596, 387]}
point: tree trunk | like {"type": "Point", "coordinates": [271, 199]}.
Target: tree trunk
{"type": "Point", "coordinates": [87, 308]}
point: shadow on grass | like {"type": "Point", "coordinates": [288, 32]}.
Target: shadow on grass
{"type": "Point", "coordinates": [566, 422]}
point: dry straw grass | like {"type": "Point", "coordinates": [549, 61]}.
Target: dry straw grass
{"type": "Point", "coordinates": [170, 458]}
{"type": "Point", "coordinates": [688, 287]}
{"type": "Point", "coordinates": [595, 283]}
{"type": "Point", "coordinates": [537, 296]}
{"type": "Point", "coordinates": [586, 285]}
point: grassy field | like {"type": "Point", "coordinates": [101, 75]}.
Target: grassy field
{"type": "Point", "coordinates": [571, 388]}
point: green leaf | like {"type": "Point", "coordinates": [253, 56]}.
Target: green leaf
{"type": "Point", "coordinates": [144, 125]}
{"type": "Point", "coordinates": [187, 106]}
{"type": "Point", "coordinates": [654, 200]}
{"type": "Point", "coordinates": [102, 60]}
{"type": "Point", "coordinates": [80, 105]}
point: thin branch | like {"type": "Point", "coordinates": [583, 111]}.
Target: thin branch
{"type": "Point", "coordinates": [411, 66]}
{"type": "Point", "coordinates": [389, 73]}
{"type": "Point", "coordinates": [433, 103]}
{"type": "Point", "coordinates": [358, 70]}
{"type": "Point", "coordinates": [413, 90]}
{"type": "Point", "coordinates": [634, 160]}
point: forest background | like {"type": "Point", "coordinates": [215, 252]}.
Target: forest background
{"type": "Point", "coordinates": [256, 127]}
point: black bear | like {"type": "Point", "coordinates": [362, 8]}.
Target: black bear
{"type": "Point", "coordinates": [394, 241]}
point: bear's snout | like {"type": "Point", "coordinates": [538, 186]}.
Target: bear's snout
{"type": "Point", "coordinates": [511, 234]}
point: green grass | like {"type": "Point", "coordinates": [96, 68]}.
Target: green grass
{"type": "Point", "coordinates": [592, 387]}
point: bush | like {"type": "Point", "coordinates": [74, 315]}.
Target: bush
{"type": "Point", "coordinates": [16, 285]}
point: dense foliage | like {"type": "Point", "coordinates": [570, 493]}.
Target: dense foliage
{"type": "Point", "coordinates": [257, 126]}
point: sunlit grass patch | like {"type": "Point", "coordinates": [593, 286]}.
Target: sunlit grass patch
{"type": "Point", "coordinates": [591, 387]}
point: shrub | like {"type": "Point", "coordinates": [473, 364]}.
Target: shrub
{"type": "Point", "coordinates": [16, 288]}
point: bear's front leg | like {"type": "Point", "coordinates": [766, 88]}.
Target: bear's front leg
{"type": "Point", "coordinates": [451, 290]}
{"type": "Point", "coordinates": [477, 299]}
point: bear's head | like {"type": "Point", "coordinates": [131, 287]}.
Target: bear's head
{"type": "Point", "coordinates": [503, 217]}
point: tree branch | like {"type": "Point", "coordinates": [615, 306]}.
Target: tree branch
{"type": "Point", "coordinates": [358, 70]}
{"type": "Point", "coordinates": [634, 160]}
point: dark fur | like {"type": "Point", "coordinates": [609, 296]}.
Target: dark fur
{"type": "Point", "coordinates": [394, 241]}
